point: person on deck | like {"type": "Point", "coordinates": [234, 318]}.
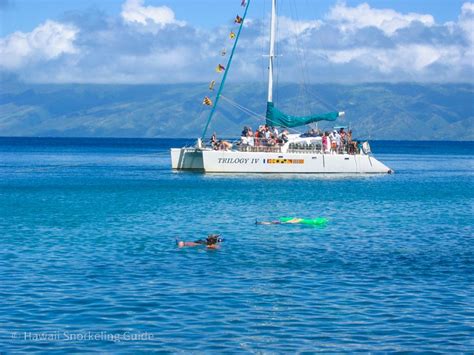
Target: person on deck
{"type": "Point", "coordinates": [275, 131]}
{"type": "Point", "coordinates": [333, 138]}
{"type": "Point", "coordinates": [350, 143]}
{"type": "Point", "coordinates": [342, 134]}
{"type": "Point", "coordinates": [247, 137]}
{"type": "Point", "coordinates": [259, 135]}
{"type": "Point", "coordinates": [336, 142]}
{"type": "Point", "coordinates": [224, 145]}
{"type": "Point", "coordinates": [268, 134]}
{"type": "Point", "coordinates": [214, 142]}
{"type": "Point", "coordinates": [250, 138]}
{"type": "Point", "coordinates": [326, 142]}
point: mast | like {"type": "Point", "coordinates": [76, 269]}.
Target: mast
{"type": "Point", "coordinates": [272, 52]}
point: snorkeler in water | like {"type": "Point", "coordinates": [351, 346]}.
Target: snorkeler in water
{"type": "Point", "coordinates": [293, 220]}
{"type": "Point", "coordinates": [211, 242]}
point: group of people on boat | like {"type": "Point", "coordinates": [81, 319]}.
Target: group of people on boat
{"type": "Point", "coordinates": [337, 141]}
{"type": "Point", "coordinates": [264, 135]}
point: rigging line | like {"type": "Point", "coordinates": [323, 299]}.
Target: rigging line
{"type": "Point", "coordinates": [275, 58]}
{"type": "Point", "coordinates": [311, 92]}
{"type": "Point", "coordinates": [291, 42]}
{"type": "Point", "coordinates": [201, 109]}
{"type": "Point", "coordinates": [301, 57]}
{"type": "Point", "coordinates": [229, 62]}
{"type": "Point", "coordinates": [252, 113]}
{"type": "Point", "coordinates": [298, 101]}
{"type": "Point", "coordinates": [265, 34]}
{"type": "Point", "coordinates": [307, 78]}
{"type": "Point", "coordinates": [308, 89]}
{"type": "Point", "coordinates": [242, 108]}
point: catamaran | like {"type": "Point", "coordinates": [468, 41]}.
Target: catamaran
{"type": "Point", "coordinates": [292, 153]}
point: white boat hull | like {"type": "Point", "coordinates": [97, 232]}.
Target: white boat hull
{"type": "Point", "coordinates": [186, 159]}
{"type": "Point", "coordinates": [215, 161]}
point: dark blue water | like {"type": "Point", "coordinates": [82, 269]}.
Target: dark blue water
{"type": "Point", "coordinates": [88, 260]}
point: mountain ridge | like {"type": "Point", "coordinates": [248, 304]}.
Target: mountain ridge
{"type": "Point", "coordinates": [383, 111]}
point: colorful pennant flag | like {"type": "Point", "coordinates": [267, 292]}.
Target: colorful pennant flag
{"type": "Point", "coordinates": [238, 19]}
{"type": "Point", "coordinates": [232, 35]}
{"type": "Point", "coordinates": [220, 68]}
{"type": "Point", "coordinates": [207, 101]}
{"type": "Point", "coordinates": [212, 84]}
{"type": "Point", "coordinates": [244, 3]}
{"type": "Point", "coordinates": [224, 52]}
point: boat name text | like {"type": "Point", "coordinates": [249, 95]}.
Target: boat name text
{"type": "Point", "coordinates": [238, 160]}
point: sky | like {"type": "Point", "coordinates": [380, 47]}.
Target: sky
{"type": "Point", "coordinates": [176, 41]}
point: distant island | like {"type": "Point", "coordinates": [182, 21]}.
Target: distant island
{"type": "Point", "coordinates": [383, 111]}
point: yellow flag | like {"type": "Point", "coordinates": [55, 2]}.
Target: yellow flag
{"type": "Point", "coordinates": [232, 35]}
{"type": "Point", "coordinates": [207, 101]}
{"type": "Point", "coordinates": [220, 68]}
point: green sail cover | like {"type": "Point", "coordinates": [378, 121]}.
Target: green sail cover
{"type": "Point", "coordinates": [308, 221]}
{"type": "Point", "coordinates": [277, 118]}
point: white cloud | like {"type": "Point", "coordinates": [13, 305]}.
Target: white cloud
{"type": "Point", "coordinates": [466, 20]}
{"type": "Point", "coordinates": [133, 11]}
{"type": "Point", "coordinates": [467, 8]}
{"type": "Point", "coordinates": [147, 44]}
{"type": "Point", "coordinates": [46, 42]}
{"type": "Point", "coordinates": [411, 58]}
{"type": "Point", "coordinates": [289, 27]}
{"type": "Point", "coordinates": [387, 20]}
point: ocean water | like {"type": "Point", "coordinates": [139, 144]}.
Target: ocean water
{"type": "Point", "coordinates": [88, 260]}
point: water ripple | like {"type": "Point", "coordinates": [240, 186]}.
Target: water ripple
{"type": "Point", "coordinates": [87, 247]}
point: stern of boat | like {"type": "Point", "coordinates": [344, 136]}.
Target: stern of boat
{"type": "Point", "coordinates": [187, 159]}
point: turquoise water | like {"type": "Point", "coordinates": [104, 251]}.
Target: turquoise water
{"type": "Point", "coordinates": [88, 259]}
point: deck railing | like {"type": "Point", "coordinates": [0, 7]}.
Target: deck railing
{"type": "Point", "coordinates": [260, 148]}
{"type": "Point", "coordinates": [301, 148]}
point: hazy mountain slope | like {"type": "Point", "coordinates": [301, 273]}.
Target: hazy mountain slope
{"type": "Point", "coordinates": [379, 111]}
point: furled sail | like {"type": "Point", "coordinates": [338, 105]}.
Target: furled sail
{"type": "Point", "coordinates": [277, 118]}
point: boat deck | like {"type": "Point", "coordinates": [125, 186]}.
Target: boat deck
{"type": "Point", "coordinates": [296, 148]}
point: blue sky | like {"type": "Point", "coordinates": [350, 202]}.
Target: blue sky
{"type": "Point", "coordinates": [25, 15]}
{"type": "Point", "coordinates": [141, 41]}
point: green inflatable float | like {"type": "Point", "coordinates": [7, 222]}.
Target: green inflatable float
{"type": "Point", "coordinates": [293, 220]}
{"type": "Point", "coordinates": [307, 221]}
